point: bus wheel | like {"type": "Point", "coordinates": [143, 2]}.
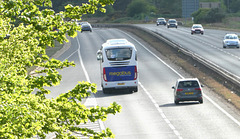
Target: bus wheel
{"type": "Point", "coordinates": [135, 89]}
{"type": "Point", "coordinates": [106, 91]}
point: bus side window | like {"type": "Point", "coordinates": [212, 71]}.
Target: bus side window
{"type": "Point", "coordinates": [136, 56]}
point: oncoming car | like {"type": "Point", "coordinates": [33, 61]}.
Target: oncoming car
{"type": "Point", "coordinates": [161, 21]}
{"type": "Point", "coordinates": [188, 89]}
{"type": "Point", "coordinates": [231, 40]}
{"type": "Point", "coordinates": [172, 23]}
{"type": "Point", "coordinates": [197, 29]}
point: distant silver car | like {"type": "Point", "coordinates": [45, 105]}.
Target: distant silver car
{"type": "Point", "coordinates": [231, 40]}
{"type": "Point", "coordinates": [197, 29]}
{"type": "Point", "coordinates": [86, 26]}
{"type": "Point", "coordinates": [188, 89]}
{"type": "Point", "coordinates": [172, 23]}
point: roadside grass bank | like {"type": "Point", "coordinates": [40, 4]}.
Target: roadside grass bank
{"type": "Point", "coordinates": [50, 51]}
{"type": "Point", "coordinates": [188, 64]}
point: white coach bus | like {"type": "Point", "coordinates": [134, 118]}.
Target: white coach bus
{"type": "Point", "coordinates": [119, 67]}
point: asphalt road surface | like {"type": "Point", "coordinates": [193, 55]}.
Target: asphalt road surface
{"type": "Point", "coordinates": [209, 45]}
{"type": "Point", "coordinates": [150, 113]}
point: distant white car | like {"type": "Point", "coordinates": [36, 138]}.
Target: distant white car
{"type": "Point", "coordinates": [172, 23]}
{"type": "Point", "coordinates": [161, 21]}
{"type": "Point", "coordinates": [231, 40]}
{"type": "Point", "coordinates": [197, 29]}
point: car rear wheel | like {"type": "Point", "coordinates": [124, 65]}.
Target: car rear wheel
{"type": "Point", "coordinates": [176, 102]}
{"type": "Point", "coordinates": [200, 101]}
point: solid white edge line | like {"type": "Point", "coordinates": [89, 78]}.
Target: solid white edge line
{"type": "Point", "coordinates": [92, 97]}
{"type": "Point", "coordinates": [81, 62]}
{"type": "Point", "coordinates": [221, 109]}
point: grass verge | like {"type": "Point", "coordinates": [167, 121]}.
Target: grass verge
{"type": "Point", "coordinates": [50, 51]}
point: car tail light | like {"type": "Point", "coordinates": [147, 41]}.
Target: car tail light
{"type": "Point", "coordinates": [198, 89]}
{"type": "Point", "coordinates": [179, 90]}
{"type": "Point", "coordinates": [104, 75]}
{"type": "Point", "coordinates": [135, 73]}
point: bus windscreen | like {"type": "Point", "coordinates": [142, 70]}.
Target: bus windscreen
{"type": "Point", "coordinates": [119, 54]}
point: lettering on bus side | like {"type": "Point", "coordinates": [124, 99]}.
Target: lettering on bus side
{"type": "Point", "coordinates": [122, 73]}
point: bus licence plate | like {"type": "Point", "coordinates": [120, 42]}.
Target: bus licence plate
{"type": "Point", "coordinates": [189, 93]}
{"type": "Point", "coordinates": [121, 83]}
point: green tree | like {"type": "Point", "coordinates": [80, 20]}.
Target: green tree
{"type": "Point", "coordinates": [234, 6]}
{"type": "Point", "coordinates": [200, 15]}
{"type": "Point", "coordinates": [208, 15]}
{"type": "Point", "coordinates": [137, 7]}
{"type": "Point", "coordinates": [214, 15]}
{"type": "Point", "coordinates": [121, 5]}
{"type": "Point", "coordinates": [23, 113]}
{"type": "Point", "coordinates": [169, 7]}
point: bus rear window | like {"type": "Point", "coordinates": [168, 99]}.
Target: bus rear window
{"type": "Point", "coordinates": [119, 54]}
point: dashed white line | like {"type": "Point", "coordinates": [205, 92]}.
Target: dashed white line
{"type": "Point", "coordinates": [161, 112]}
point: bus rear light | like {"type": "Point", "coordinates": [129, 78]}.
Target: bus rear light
{"type": "Point", "coordinates": [135, 73]}
{"type": "Point", "coordinates": [104, 75]}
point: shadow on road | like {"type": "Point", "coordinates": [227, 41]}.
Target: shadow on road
{"type": "Point", "coordinates": [112, 93]}
{"type": "Point", "coordinates": [180, 104]}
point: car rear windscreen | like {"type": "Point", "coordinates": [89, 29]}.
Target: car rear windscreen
{"type": "Point", "coordinates": [184, 84]}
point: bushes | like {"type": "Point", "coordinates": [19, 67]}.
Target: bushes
{"type": "Point", "coordinates": [208, 15]}
{"type": "Point", "coordinates": [139, 7]}
{"type": "Point", "coordinates": [214, 15]}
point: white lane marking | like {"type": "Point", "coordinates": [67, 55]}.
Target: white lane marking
{"type": "Point", "coordinates": [91, 101]}
{"type": "Point", "coordinates": [161, 112]}
{"type": "Point", "coordinates": [221, 109]}
{"type": "Point", "coordinates": [81, 62]}
{"type": "Point", "coordinates": [208, 98]}
{"type": "Point", "coordinates": [150, 96]}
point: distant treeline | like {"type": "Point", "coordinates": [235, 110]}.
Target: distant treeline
{"type": "Point", "coordinates": [154, 8]}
